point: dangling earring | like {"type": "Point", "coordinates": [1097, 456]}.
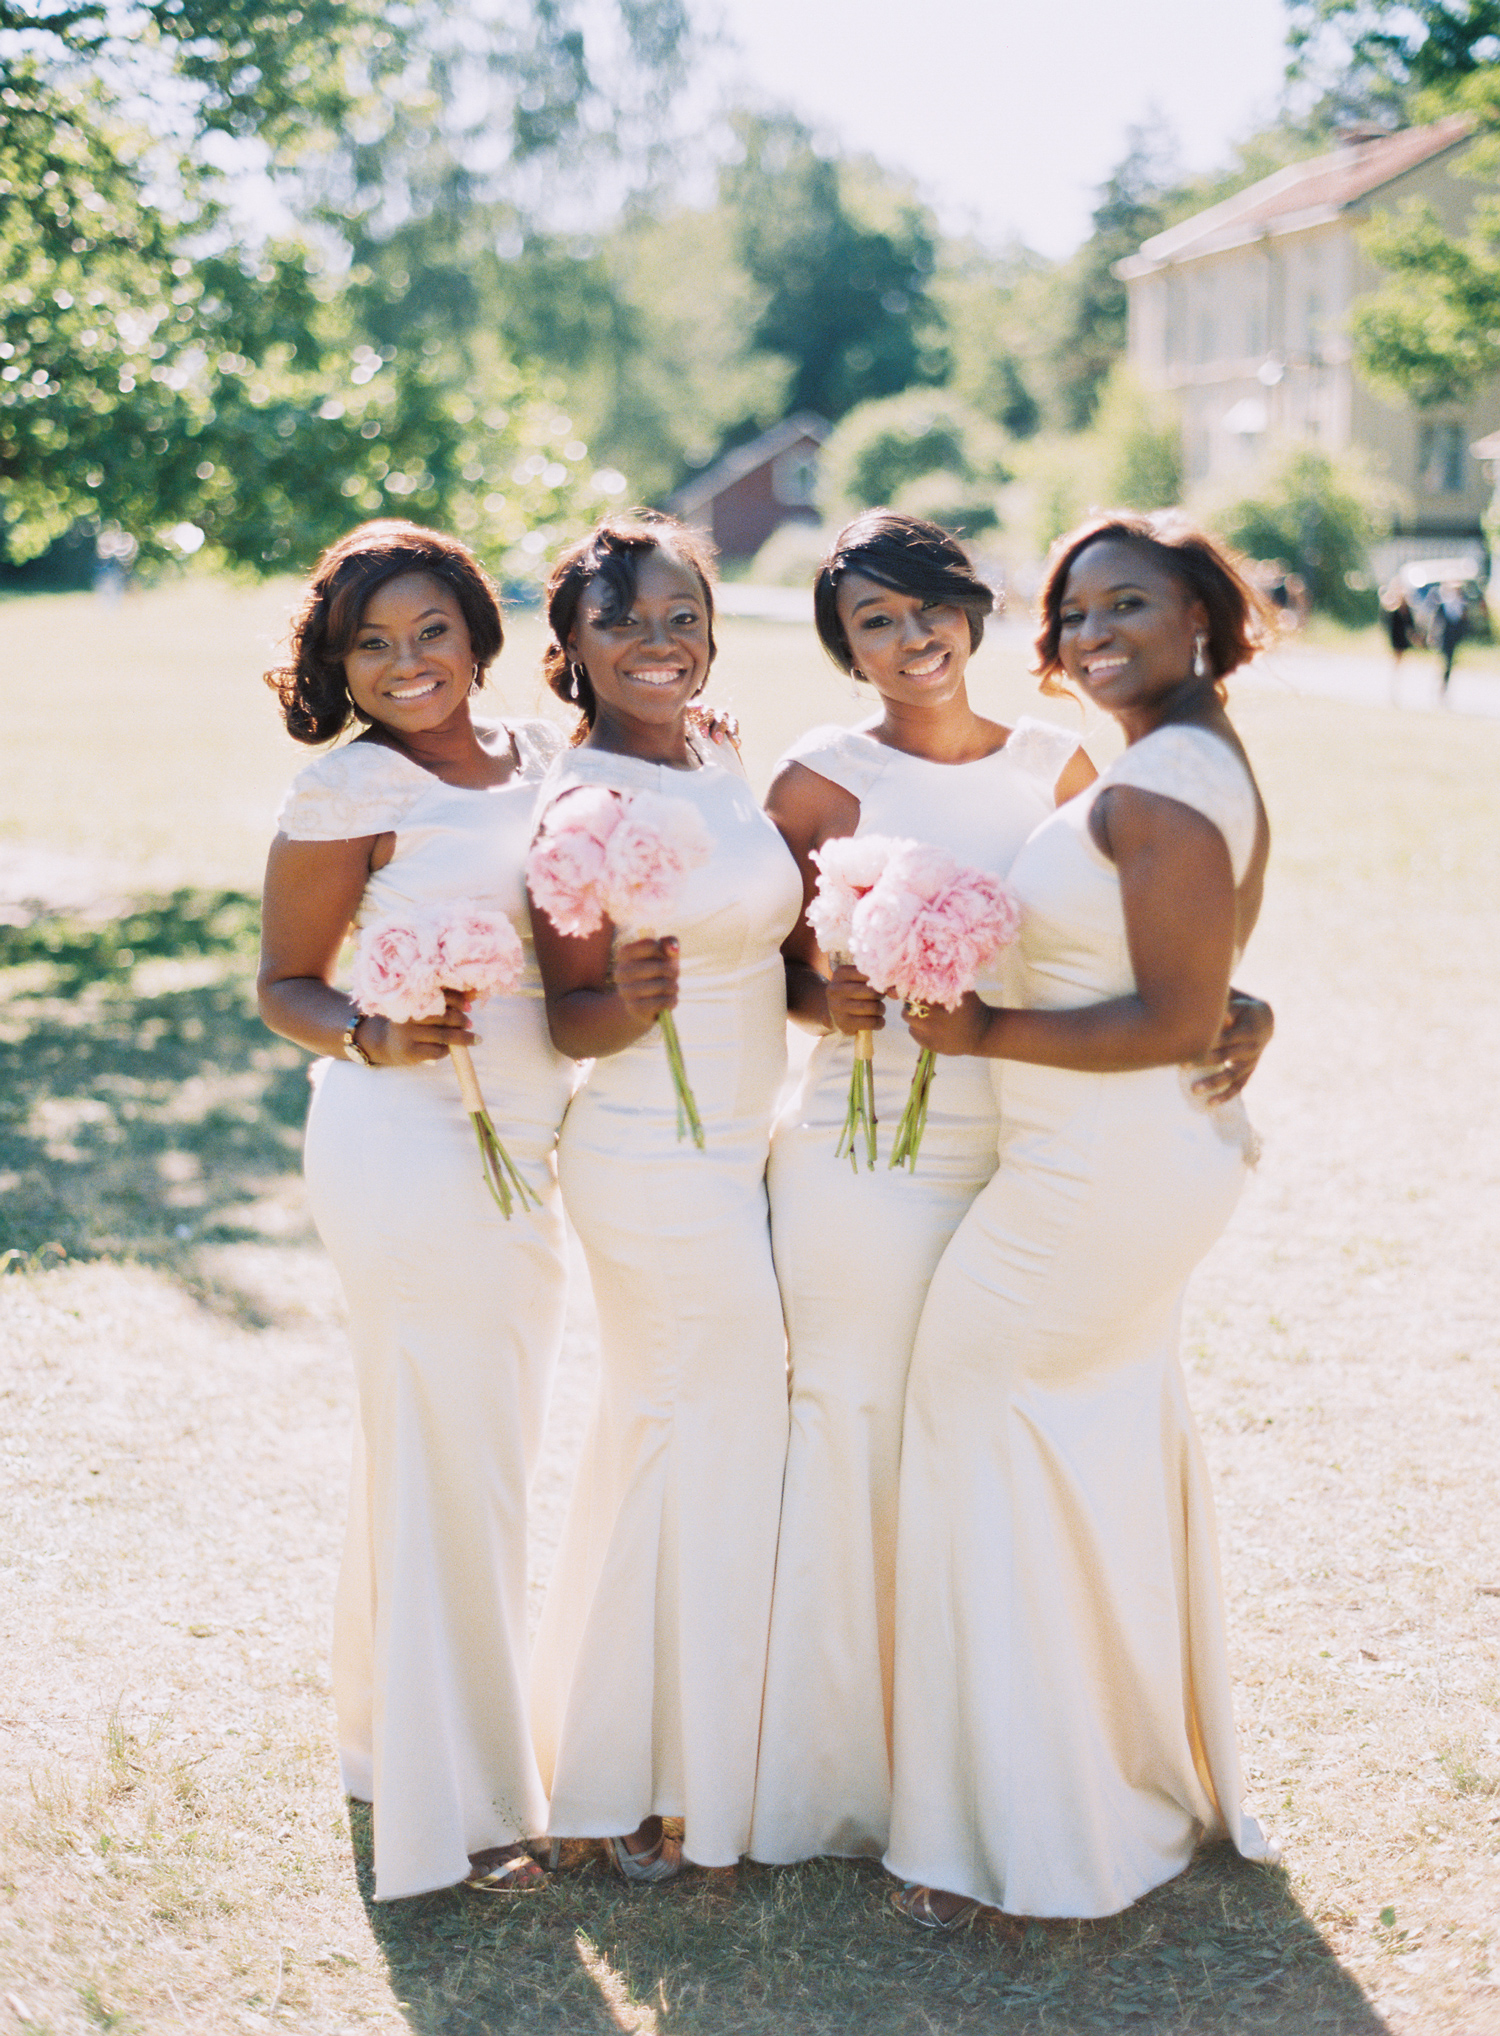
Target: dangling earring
{"type": "Point", "coordinates": [476, 682]}
{"type": "Point", "coordinates": [1200, 665]}
{"type": "Point", "coordinates": [579, 677]}
{"type": "Point", "coordinates": [856, 679]}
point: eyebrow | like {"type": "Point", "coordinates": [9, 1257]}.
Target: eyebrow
{"type": "Point", "coordinates": [1120, 587]}
{"type": "Point", "coordinates": [425, 616]}
{"type": "Point", "coordinates": [868, 600]}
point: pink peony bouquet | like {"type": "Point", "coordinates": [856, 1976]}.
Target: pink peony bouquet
{"type": "Point", "coordinates": [621, 856]}
{"type": "Point", "coordinates": [401, 969]}
{"type": "Point", "coordinates": [923, 932]}
{"type": "Point", "coordinates": [848, 868]}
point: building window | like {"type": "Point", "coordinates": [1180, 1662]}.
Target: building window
{"type": "Point", "coordinates": [794, 478]}
{"type": "Point", "coordinates": [1442, 459]}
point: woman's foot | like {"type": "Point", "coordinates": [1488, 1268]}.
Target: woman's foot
{"type": "Point", "coordinates": [505, 1870]}
{"type": "Point", "coordinates": [648, 1854]}
{"type": "Point", "coordinates": [934, 1908]}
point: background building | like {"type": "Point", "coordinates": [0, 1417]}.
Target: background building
{"type": "Point", "coordinates": [757, 487]}
{"type": "Point", "coordinates": [1242, 314]}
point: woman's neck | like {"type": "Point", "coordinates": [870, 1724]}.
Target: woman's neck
{"type": "Point", "coordinates": [941, 731]}
{"type": "Point", "coordinates": [1193, 703]}
{"type": "Point", "coordinates": [658, 743]}
{"type": "Point", "coordinates": [454, 752]}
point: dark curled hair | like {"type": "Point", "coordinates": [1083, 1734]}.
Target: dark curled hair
{"type": "Point", "coordinates": [612, 552]}
{"type": "Point", "coordinates": [312, 689]}
{"type": "Point", "coordinates": [910, 557]}
{"type": "Point", "coordinates": [1240, 619]}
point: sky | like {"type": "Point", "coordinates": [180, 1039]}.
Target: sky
{"type": "Point", "coordinates": [1010, 113]}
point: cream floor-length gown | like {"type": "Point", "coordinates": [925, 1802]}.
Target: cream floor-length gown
{"type": "Point", "coordinates": [854, 1254]}
{"type": "Point", "coordinates": [455, 1319]}
{"type": "Point", "coordinates": [650, 1660]}
{"type": "Point", "coordinates": [1064, 1732]}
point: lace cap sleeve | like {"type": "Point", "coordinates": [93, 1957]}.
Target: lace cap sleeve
{"type": "Point", "coordinates": [360, 789]}
{"type": "Point", "coordinates": [538, 744]}
{"type": "Point", "coordinates": [1198, 770]}
{"type": "Point", "coordinates": [845, 756]}
{"type": "Point", "coordinates": [1041, 748]}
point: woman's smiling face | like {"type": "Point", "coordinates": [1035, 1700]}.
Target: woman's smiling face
{"type": "Point", "coordinates": [910, 647]}
{"type": "Point", "coordinates": [411, 663]}
{"type": "Point", "coordinates": [1128, 630]}
{"type": "Point", "coordinates": [646, 663]}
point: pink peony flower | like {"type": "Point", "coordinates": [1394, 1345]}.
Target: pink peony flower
{"type": "Point", "coordinates": [394, 973]}
{"type": "Point", "coordinates": [848, 868]}
{"type": "Point", "coordinates": [565, 867]}
{"type": "Point", "coordinates": [478, 950]}
{"type": "Point", "coordinates": [657, 842]}
{"type": "Point", "coordinates": [929, 925]}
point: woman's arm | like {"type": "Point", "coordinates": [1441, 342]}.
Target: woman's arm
{"type": "Point", "coordinates": [1177, 890]}
{"type": "Point", "coordinates": [594, 1008]}
{"type": "Point", "coordinates": [1078, 774]}
{"type": "Point", "coordinates": [808, 810]}
{"type": "Point", "coordinates": [312, 892]}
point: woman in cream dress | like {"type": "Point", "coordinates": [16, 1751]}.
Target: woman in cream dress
{"type": "Point", "coordinates": [899, 605]}
{"type": "Point", "coordinates": [1064, 1732]}
{"type": "Point", "coordinates": [651, 1654]}
{"type": "Point", "coordinates": [455, 1313]}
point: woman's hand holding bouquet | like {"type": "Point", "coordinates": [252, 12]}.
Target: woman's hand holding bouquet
{"type": "Point", "coordinates": [406, 970]}
{"type": "Point", "coordinates": [611, 855]}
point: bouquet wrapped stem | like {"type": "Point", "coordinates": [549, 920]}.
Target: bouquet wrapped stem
{"type": "Point", "coordinates": [914, 1117]}
{"type": "Point", "coordinates": [501, 1177]}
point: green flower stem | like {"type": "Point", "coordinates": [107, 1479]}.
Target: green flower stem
{"type": "Point", "coordinates": [914, 1116]}
{"type": "Point", "coordinates": [501, 1176]}
{"type": "Point", "coordinates": [859, 1118]}
{"type": "Point", "coordinates": [688, 1120]}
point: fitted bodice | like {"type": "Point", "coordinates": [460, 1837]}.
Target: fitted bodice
{"type": "Point", "coordinates": [452, 843]}
{"type": "Point", "coordinates": [979, 811]}
{"type": "Point", "coordinates": [1073, 947]}
{"type": "Point", "coordinates": [735, 911]}
{"type": "Point", "coordinates": [730, 920]}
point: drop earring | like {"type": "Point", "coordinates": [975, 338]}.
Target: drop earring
{"type": "Point", "coordinates": [1200, 663]}
{"type": "Point", "coordinates": [855, 676]}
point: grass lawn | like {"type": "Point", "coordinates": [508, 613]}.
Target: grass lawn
{"type": "Point", "coordinates": [174, 1852]}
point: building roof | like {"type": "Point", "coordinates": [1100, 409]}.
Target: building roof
{"type": "Point", "coordinates": [1303, 194]}
{"type": "Point", "coordinates": [744, 459]}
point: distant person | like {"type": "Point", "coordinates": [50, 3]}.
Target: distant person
{"type": "Point", "coordinates": [1400, 625]}
{"type": "Point", "coordinates": [1450, 625]}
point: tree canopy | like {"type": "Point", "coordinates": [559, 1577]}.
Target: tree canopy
{"type": "Point", "coordinates": [164, 372]}
{"type": "Point", "coordinates": [846, 300]}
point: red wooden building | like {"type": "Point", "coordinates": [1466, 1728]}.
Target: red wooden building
{"type": "Point", "coordinates": [750, 492]}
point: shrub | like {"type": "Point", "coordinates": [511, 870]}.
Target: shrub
{"type": "Point", "coordinates": [1320, 516]}
{"type": "Point", "coordinates": [882, 448]}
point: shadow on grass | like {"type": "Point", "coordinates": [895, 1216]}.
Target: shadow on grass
{"type": "Point", "coordinates": [817, 1950]}
{"type": "Point", "coordinates": [144, 1108]}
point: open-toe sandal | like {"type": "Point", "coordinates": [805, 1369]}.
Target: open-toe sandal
{"type": "Point", "coordinates": [915, 1904]}
{"type": "Point", "coordinates": [511, 1872]}
{"type": "Point", "coordinates": [662, 1861]}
